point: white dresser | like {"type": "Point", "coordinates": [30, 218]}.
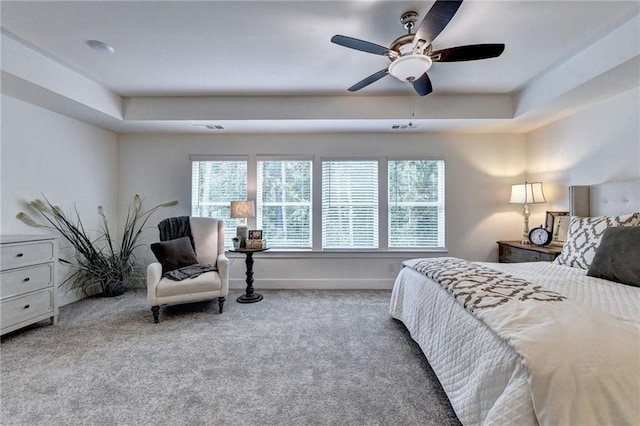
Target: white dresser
{"type": "Point", "coordinates": [27, 284]}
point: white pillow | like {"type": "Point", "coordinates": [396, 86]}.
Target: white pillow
{"type": "Point", "coordinates": [584, 235]}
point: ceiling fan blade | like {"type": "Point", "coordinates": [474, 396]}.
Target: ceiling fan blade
{"type": "Point", "coordinates": [471, 52]}
{"type": "Point", "coordinates": [364, 46]}
{"type": "Point", "coordinates": [423, 85]}
{"type": "Point", "coordinates": [435, 20]}
{"type": "Point", "coordinates": [367, 81]}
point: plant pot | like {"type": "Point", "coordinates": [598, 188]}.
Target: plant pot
{"type": "Point", "coordinates": [114, 288]}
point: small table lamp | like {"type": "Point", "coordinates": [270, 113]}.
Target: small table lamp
{"type": "Point", "coordinates": [242, 210]}
{"type": "Point", "coordinates": [525, 194]}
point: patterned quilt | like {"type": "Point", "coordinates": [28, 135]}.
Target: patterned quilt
{"type": "Point", "coordinates": [479, 287]}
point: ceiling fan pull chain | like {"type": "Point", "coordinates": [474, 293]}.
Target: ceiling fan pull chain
{"type": "Point", "coordinates": [411, 113]}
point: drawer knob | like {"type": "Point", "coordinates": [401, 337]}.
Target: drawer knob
{"type": "Point", "coordinates": [26, 279]}
{"type": "Point", "coordinates": [19, 254]}
{"type": "Point", "coordinates": [26, 306]}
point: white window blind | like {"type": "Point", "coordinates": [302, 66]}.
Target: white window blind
{"type": "Point", "coordinates": [416, 204]}
{"type": "Point", "coordinates": [214, 184]}
{"type": "Point", "coordinates": [284, 203]}
{"type": "Point", "coordinates": [349, 204]}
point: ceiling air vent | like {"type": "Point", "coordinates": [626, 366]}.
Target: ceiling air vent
{"type": "Point", "coordinates": [404, 126]}
{"type": "Point", "coordinates": [210, 126]}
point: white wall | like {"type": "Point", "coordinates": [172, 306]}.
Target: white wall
{"type": "Point", "coordinates": [47, 154]}
{"type": "Point", "coordinates": [75, 163]}
{"type": "Point", "coordinates": [598, 144]}
{"type": "Point", "coordinates": [479, 172]}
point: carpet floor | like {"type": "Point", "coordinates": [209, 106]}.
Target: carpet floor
{"type": "Point", "coordinates": [299, 357]}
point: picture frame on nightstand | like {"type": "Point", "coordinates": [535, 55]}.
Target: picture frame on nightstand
{"type": "Point", "coordinates": [558, 224]}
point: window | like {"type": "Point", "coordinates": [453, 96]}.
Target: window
{"type": "Point", "coordinates": [360, 204]}
{"type": "Point", "coordinates": [349, 204]}
{"type": "Point", "coordinates": [215, 183]}
{"type": "Point", "coordinates": [284, 203]}
{"type": "Point", "coordinates": [416, 204]}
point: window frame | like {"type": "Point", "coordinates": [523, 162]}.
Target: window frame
{"type": "Point", "coordinates": [287, 158]}
{"type": "Point", "coordinates": [441, 205]}
{"type": "Point", "coordinates": [320, 207]}
{"type": "Point", "coordinates": [316, 198]}
{"type": "Point", "coordinates": [229, 223]}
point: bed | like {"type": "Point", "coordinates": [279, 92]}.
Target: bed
{"type": "Point", "coordinates": [568, 352]}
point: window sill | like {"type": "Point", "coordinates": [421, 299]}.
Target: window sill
{"type": "Point", "coordinates": [341, 254]}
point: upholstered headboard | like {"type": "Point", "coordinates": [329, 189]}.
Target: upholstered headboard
{"type": "Point", "coordinates": [605, 199]}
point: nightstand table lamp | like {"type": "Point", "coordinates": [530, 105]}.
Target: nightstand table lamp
{"type": "Point", "coordinates": [242, 210]}
{"type": "Point", "coordinates": [525, 194]}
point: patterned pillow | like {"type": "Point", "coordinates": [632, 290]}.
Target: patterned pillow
{"type": "Point", "coordinates": [584, 235]}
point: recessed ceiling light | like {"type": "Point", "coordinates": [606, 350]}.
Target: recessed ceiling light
{"type": "Point", "coordinates": [100, 46]}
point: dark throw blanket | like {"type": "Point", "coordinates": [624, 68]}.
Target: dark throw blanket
{"type": "Point", "coordinates": [175, 227]}
{"type": "Point", "coordinates": [190, 271]}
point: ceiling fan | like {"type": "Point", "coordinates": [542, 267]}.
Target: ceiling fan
{"type": "Point", "coordinates": [412, 54]}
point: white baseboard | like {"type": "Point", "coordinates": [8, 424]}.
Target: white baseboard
{"type": "Point", "coordinates": [317, 284]}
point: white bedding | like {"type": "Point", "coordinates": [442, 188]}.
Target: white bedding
{"type": "Point", "coordinates": [481, 374]}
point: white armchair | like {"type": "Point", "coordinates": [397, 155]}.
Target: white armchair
{"type": "Point", "coordinates": [208, 239]}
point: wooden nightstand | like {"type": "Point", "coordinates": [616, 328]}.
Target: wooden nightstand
{"type": "Point", "coordinates": [515, 251]}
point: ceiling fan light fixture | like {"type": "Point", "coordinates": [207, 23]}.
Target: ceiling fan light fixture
{"type": "Point", "coordinates": [410, 67]}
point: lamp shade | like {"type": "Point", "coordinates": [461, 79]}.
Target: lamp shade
{"type": "Point", "coordinates": [527, 193]}
{"type": "Point", "coordinates": [242, 209]}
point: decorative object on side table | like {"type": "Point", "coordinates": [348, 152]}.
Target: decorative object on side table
{"type": "Point", "coordinates": [250, 296]}
{"type": "Point", "coordinates": [242, 210]}
{"type": "Point", "coordinates": [236, 242]}
{"type": "Point", "coordinates": [255, 240]}
{"type": "Point", "coordinates": [99, 260]}
{"type": "Point", "coordinates": [525, 194]}
{"type": "Point", "coordinates": [558, 224]}
{"type": "Point", "coordinates": [255, 234]}
{"type": "Point", "coordinates": [255, 244]}
{"type": "Point", "coordinates": [540, 236]}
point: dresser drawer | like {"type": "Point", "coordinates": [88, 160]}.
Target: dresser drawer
{"type": "Point", "coordinates": [514, 252]}
{"type": "Point", "coordinates": [23, 254]}
{"type": "Point", "coordinates": [25, 307]}
{"type": "Point", "coordinates": [514, 255]}
{"type": "Point", "coordinates": [25, 280]}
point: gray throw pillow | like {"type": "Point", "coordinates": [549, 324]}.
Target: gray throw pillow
{"type": "Point", "coordinates": [174, 254]}
{"type": "Point", "coordinates": [618, 256]}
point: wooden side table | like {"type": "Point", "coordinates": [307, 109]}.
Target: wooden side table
{"type": "Point", "coordinates": [250, 296]}
{"type": "Point", "coordinates": [515, 251]}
